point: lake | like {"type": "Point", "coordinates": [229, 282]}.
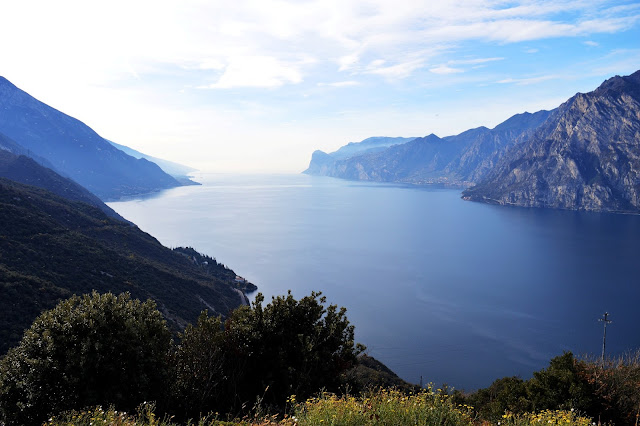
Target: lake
{"type": "Point", "coordinates": [456, 292]}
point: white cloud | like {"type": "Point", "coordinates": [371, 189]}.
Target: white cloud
{"type": "Point", "coordinates": [349, 83]}
{"type": "Point", "coordinates": [145, 35]}
{"type": "Point", "coordinates": [474, 61]}
{"type": "Point", "coordinates": [477, 62]}
{"type": "Point", "coordinates": [257, 71]}
{"type": "Point", "coordinates": [444, 69]}
{"type": "Point", "coordinates": [591, 43]}
{"type": "Point", "coordinates": [123, 60]}
{"type": "Point", "coordinates": [527, 81]}
{"type": "Point", "coordinates": [401, 70]}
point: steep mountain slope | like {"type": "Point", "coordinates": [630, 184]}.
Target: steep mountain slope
{"type": "Point", "coordinates": [457, 160]}
{"type": "Point", "coordinates": [52, 248]}
{"type": "Point", "coordinates": [178, 171]}
{"type": "Point", "coordinates": [586, 156]}
{"type": "Point", "coordinates": [25, 170]}
{"type": "Point", "coordinates": [485, 150]}
{"type": "Point", "coordinates": [74, 149]}
{"type": "Point", "coordinates": [8, 144]}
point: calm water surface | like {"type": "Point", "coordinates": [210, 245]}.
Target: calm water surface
{"type": "Point", "coordinates": [453, 291]}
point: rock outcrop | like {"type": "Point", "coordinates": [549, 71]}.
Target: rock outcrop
{"type": "Point", "coordinates": [586, 156]}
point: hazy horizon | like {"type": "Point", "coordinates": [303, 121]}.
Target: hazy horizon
{"type": "Point", "coordinates": [257, 86]}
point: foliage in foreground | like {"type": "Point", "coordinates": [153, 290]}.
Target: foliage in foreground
{"type": "Point", "coordinates": [263, 353]}
{"type": "Point", "coordinates": [115, 351]}
{"type": "Point", "coordinates": [90, 350]}
{"type": "Point", "coordinates": [383, 407]}
{"type": "Point", "coordinates": [609, 392]}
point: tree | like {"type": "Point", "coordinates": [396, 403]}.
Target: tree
{"type": "Point", "coordinates": [560, 386]}
{"type": "Point", "coordinates": [292, 347]}
{"type": "Point", "coordinates": [200, 382]}
{"type": "Point", "coordinates": [506, 394]}
{"type": "Point", "coordinates": [287, 347]}
{"type": "Point", "coordinates": [89, 350]}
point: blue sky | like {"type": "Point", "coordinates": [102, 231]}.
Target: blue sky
{"type": "Point", "coordinates": [258, 85]}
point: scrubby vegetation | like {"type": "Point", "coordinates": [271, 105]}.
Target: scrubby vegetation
{"type": "Point", "coordinates": [609, 393]}
{"type": "Point", "coordinates": [105, 359]}
{"type": "Point", "coordinates": [97, 349]}
{"type": "Point", "coordinates": [383, 407]}
{"type": "Point", "coordinates": [103, 349]}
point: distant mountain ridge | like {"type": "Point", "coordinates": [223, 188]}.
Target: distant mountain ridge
{"type": "Point", "coordinates": [583, 155]}
{"type": "Point", "coordinates": [321, 160]}
{"type": "Point", "coordinates": [178, 171]}
{"type": "Point", "coordinates": [74, 150]}
{"type": "Point", "coordinates": [458, 160]}
{"type": "Point", "coordinates": [586, 156]}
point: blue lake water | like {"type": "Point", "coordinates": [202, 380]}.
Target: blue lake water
{"type": "Point", "coordinates": [453, 291]}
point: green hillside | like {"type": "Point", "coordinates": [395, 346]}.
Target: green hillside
{"type": "Point", "coordinates": [51, 248]}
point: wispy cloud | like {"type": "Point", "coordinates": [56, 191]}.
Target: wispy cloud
{"type": "Point", "coordinates": [474, 61]}
{"type": "Point", "coordinates": [444, 69]}
{"type": "Point", "coordinates": [396, 71]}
{"type": "Point", "coordinates": [145, 58]}
{"type": "Point", "coordinates": [349, 83]}
{"type": "Point", "coordinates": [349, 33]}
{"type": "Point", "coordinates": [448, 69]}
{"type": "Point", "coordinates": [256, 71]}
{"type": "Point", "coordinates": [527, 81]}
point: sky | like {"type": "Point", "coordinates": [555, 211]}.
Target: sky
{"type": "Point", "coordinates": [258, 85]}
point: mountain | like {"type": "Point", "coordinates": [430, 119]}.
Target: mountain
{"type": "Point", "coordinates": [457, 160]}
{"type": "Point", "coordinates": [9, 145]}
{"type": "Point", "coordinates": [25, 170]}
{"type": "Point", "coordinates": [320, 161]}
{"type": "Point", "coordinates": [53, 247]}
{"type": "Point", "coordinates": [74, 150]}
{"type": "Point", "coordinates": [178, 171]}
{"type": "Point", "coordinates": [586, 156]}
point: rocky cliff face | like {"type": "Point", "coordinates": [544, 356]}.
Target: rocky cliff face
{"type": "Point", "coordinates": [459, 160]}
{"type": "Point", "coordinates": [586, 156]}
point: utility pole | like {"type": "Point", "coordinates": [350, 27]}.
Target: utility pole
{"type": "Point", "coordinates": [605, 319]}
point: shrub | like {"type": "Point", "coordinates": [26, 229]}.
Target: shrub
{"type": "Point", "coordinates": [90, 350]}
{"type": "Point", "coordinates": [506, 394]}
{"type": "Point", "coordinates": [200, 381]}
{"type": "Point", "coordinates": [384, 407]}
{"type": "Point", "coordinates": [561, 386]}
{"type": "Point", "coordinates": [263, 354]}
{"type": "Point", "coordinates": [617, 386]}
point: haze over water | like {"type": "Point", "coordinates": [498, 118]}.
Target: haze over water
{"type": "Point", "coordinates": [454, 291]}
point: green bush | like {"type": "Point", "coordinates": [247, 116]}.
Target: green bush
{"type": "Point", "coordinates": [263, 354]}
{"type": "Point", "coordinates": [561, 387]}
{"type": "Point", "coordinates": [90, 350]}
{"type": "Point", "coordinates": [200, 379]}
{"type": "Point", "coordinates": [506, 394]}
